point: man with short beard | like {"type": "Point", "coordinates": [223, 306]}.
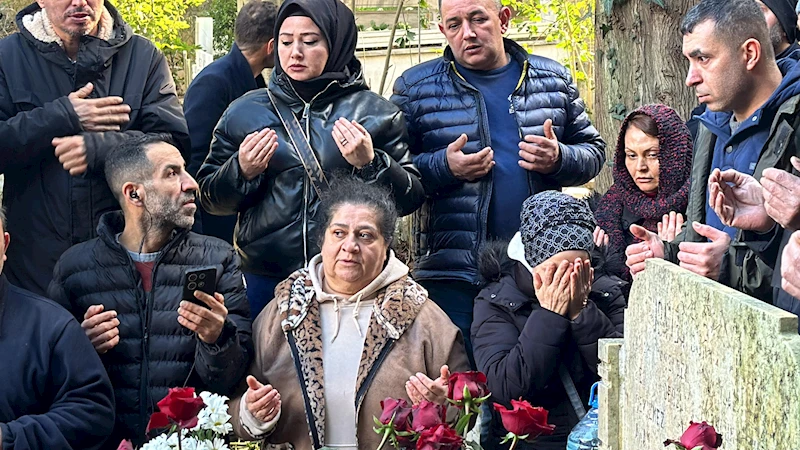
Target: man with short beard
{"type": "Point", "coordinates": [782, 23]}
{"type": "Point", "coordinates": [75, 81]}
{"type": "Point", "coordinates": [751, 126]}
{"type": "Point", "coordinates": [126, 289]}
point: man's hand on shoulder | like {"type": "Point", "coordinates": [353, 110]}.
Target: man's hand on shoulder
{"type": "Point", "coordinates": [99, 114]}
{"type": "Point", "coordinates": [540, 153]}
{"type": "Point", "coordinates": [468, 167]}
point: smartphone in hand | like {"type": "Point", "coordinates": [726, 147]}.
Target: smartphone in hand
{"type": "Point", "coordinates": [202, 279]}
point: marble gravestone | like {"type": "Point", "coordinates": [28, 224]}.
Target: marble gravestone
{"type": "Point", "coordinates": [695, 350]}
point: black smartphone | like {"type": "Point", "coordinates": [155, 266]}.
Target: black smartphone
{"type": "Point", "coordinates": [202, 279]}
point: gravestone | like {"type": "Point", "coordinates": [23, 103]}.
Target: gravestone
{"type": "Point", "coordinates": [204, 37]}
{"type": "Point", "coordinates": [696, 350]}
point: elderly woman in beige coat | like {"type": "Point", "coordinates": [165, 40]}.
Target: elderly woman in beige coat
{"type": "Point", "coordinates": [344, 333]}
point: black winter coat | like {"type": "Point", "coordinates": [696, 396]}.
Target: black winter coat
{"type": "Point", "coordinates": [49, 210]}
{"type": "Point", "coordinates": [54, 391]}
{"type": "Point", "coordinates": [276, 229]}
{"type": "Point", "coordinates": [439, 105]}
{"type": "Point", "coordinates": [519, 346]}
{"type": "Point", "coordinates": [209, 95]}
{"type": "Point", "coordinates": [155, 352]}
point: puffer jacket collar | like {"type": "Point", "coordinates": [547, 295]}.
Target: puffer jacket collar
{"type": "Point", "coordinates": [113, 223]}
{"type": "Point", "coordinates": [95, 53]}
{"type": "Point", "coordinates": [280, 86]}
{"type": "Point", "coordinates": [512, 48]}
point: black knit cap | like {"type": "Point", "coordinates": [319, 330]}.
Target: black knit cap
{"type": "Point", "coordinates": [784, 12]}
{"type": "Point", "coordinates": [553, 222]}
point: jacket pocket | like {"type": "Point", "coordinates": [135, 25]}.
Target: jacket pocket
{"type": "Point", "coordinates": [24, 100]}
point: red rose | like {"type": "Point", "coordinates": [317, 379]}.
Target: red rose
{"type": "Point", "coordinates": [475, 382]}
{"type": "Point", "coordinates": [400, 410]}
{"type": "Point", "coordinates": [699, 435]}
{"type": "Point", "coordinates": [441, 437]}
{"type": "Point", "coordinates": [523, 419]}
{"type": "Point", "coordinates": [181, 406]}
{"type": "Point", "coordinates": [426, 415]}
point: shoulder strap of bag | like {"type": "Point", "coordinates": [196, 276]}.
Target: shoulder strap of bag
{"type": "Point", "coordinates": [301, 145]}
{"type": "Point", "coordinates": [572, 392]}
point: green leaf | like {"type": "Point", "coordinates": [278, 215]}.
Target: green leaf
{"type": "Point", "coordinates": [462, 423]}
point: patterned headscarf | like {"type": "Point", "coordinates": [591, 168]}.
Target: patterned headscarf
{"type": "Point", "coordinates": [675, 168]}
{"type": "Point", "coordinates": [553, 222]}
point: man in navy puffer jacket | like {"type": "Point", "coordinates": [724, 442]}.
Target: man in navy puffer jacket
{"type": "Point", "coordinates": [489, 125]}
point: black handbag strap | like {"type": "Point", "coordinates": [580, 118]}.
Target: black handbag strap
{"type": "Point", "coordinates": [301, 145]}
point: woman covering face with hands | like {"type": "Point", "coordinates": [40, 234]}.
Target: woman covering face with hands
{"type": "Point", "coordinates": [258, 169]}
{"type": "Point", "coordinates": [537, 323]}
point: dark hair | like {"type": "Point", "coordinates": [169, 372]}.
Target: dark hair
{"type": "Point", "coordinates": [129, 162]}
{"type": "Point", "coordinates": [348, 190]}
{"type": "Point", "coordinates": [735, 21]}
{"type": "Point", "coordinates": [645, 123]}
{"type": "Point", "coordinates": [255, 24]}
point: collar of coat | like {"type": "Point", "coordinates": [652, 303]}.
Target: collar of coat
{"type": "Point", "coordinates": [40, 27]}
{"type": "Point", "coordinates": [394, 312]}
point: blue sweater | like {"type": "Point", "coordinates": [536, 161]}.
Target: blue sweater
{"type": "Point", "coordinates": [509, 181]}
{"type": "Point", "coordinates": [54, 391]}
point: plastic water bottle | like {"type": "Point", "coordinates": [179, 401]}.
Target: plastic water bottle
{"type": "Point", "coordinates": [584, 435]}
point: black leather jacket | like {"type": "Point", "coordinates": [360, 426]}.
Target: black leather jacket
{"type": "Point", "coordinates": [276, 227]}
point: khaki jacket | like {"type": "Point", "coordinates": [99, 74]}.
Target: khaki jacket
{"type": "Point", "coordinates": [742, 268]}
{"type": "Point", "coordinates": [407, 334]}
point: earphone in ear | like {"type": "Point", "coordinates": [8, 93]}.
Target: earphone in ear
{"type": "Point", "coordinates": [134, 195]}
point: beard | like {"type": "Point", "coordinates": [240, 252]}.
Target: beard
{"type": "Point", "coordinates": [79, 30]}
{"type": "Point", "coordinates": [777, 37]}
{"type": "Point", "coordinates": [167, 214]}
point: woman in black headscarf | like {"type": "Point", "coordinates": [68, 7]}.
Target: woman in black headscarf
{"type": "Point", "coordinates": [273, 177]}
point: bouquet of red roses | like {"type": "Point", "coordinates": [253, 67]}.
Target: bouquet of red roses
{"type": "Point", "coordinates": [424, 426]}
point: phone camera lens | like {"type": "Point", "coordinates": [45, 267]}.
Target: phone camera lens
{"type": "Point", "coordinates": [192, 286]}
{"type": "Point", "coordinates": [192, 277]}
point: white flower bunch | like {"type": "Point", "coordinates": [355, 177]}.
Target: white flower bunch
{"type": "Point", "coordinates": [212, 426]}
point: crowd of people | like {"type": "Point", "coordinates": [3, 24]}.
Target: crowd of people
{"type": "Point", "coordinates": [288, 191]}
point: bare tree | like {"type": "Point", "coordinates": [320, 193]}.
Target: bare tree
{"type": "Point", "coordinates": [638, 60]}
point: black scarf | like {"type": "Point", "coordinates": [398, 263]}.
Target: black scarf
{"type": "Point", "coordinates": [338, 26]}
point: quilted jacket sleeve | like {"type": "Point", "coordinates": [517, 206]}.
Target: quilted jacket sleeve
{"type": "Point", "coordinates": [582, 148]}
{"type": "Point", "coordinates": [517, 363]}
{"type": "Point", "coordinates": [432, 166]}
{"type": "Point", "coordinates": [223, 364]}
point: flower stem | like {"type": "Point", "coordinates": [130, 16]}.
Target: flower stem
{"type": "Point", "coordinates": [513, 442]}
{"type": "Point", "coordinates": [386, 434]}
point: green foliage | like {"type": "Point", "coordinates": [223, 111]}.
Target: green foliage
{"type": "Point", "coordinates": [568, 23]}
{"type": "Point", "coordinates": [161, 21]}
{"type": "Point", "coordinates": [224, 14]}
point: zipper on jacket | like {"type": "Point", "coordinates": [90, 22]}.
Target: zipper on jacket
{"type": "Point", "coordinates": [306, 401]}
{"type": "Point", "coordinates": [306, 201]}
{"type": "Point", "coordinates": [483, 131]}
{"type": "Point", "coordinates": [362, 392]}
